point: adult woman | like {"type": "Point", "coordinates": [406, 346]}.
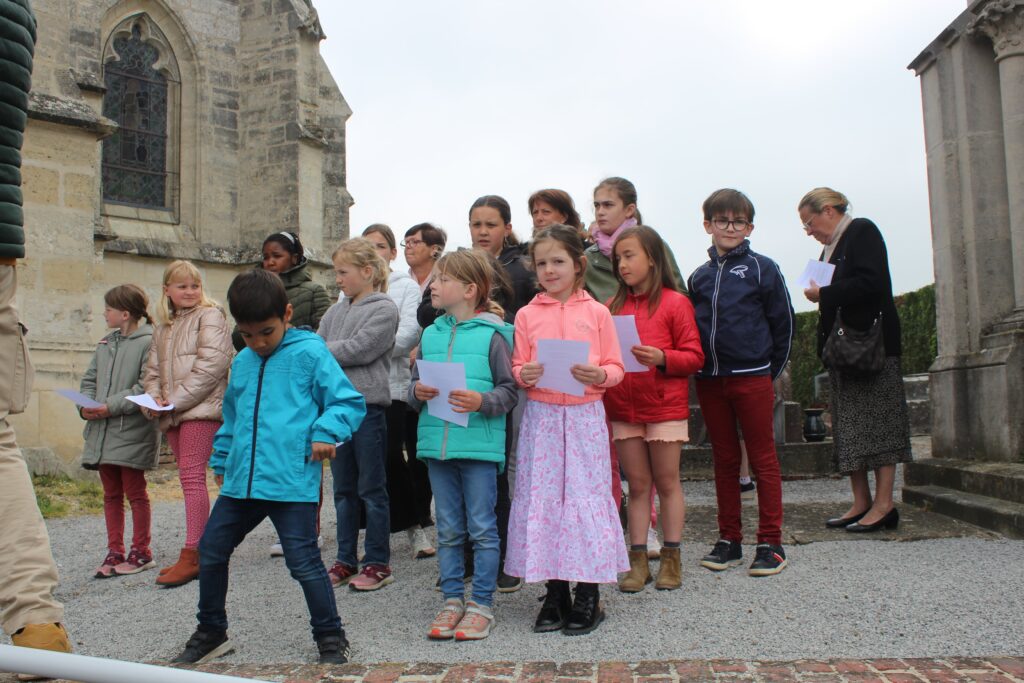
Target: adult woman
{"type": "Point", "coordinates": [548, 207]}
{"type": "Point", "coordinates": [423, 245]}
{"type": "Point", "coordinates": [408, 485]}
{"type": "Point", "coordinates": [869, 414]}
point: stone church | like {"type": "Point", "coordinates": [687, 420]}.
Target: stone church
{"type": "Point", "coordinates": [165, 129]}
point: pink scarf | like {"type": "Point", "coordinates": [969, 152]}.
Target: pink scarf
{"type": "Point", "coordinates": [606, 242]}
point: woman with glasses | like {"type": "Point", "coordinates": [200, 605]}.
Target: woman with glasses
{"type": "Point", "coordinates": [869, 413]}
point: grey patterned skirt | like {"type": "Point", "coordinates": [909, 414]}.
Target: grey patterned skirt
{"type": "Point", "coordinates": [870, 427]}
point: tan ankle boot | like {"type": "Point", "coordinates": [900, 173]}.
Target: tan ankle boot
{"type": "Point", "coordinates": [183, 571]}
{"type": "Point", "coordinates": [670, 573]}
{"type": "Point", "coordinates": [639, 573]}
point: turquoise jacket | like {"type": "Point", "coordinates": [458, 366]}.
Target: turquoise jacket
{"type": "Point", "coordinates": [470, 342]}
{"type": "Point", "coordinates": [274, 409]}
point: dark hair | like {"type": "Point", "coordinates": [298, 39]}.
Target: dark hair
{"type": "Point", "coordinates": [493, 201]}
{"type": "Point", "coordinates": [626, 191]}
{"type": "Point", "coordinates": [661, 272]}
{"type": "Point", "coordinates": [569, 239]}
{"type": "Point", "coordinates": [290, 242]}
{"type": "Point", "coordinates": [728, 200]}
{"type": "Point", "coordinates": [433, 236]}
{"type": "Point", "coordinates": [257, 295]}
{"type": "Point", "coordinates": [129, 298]}
{"type": "Point", "coordinates": [560, 201]}
{"type": "Point", "coordinates": [384, 231]}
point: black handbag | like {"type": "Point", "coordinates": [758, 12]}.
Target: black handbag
{"type": "Point", "coordinates": [853, 352]}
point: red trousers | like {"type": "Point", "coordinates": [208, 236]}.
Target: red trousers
{"type": "Point", "coordinates": [120, 483]}
{"type": "Point", "coordinates": [724, 401]}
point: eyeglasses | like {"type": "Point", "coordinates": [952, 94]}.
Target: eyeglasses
{"type": "Point", "coordinates": [409, 244]}
{"type": "Point", "coordinates": [724, 224]}
{"type": "Point", "coordinates": [807, 223]}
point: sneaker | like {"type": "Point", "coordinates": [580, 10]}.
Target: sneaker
{"type": "Point", "coordinates": [476, 623]}
{"type": "Point", "coordinates": [333, 648]}
{"type": "Point", "coordinates": [725, 554]}
{"type": "Point", "coordinates": [421, 547]}
{"type": "Point", "coordinates": [508, 584]}
{"type": "Point", "coordinates": [373, 577]}
{"type": "Point", "coordinates": [341, 573]}
{"type": "Point", "coordinates": [136, 562]}
{"type": "Point", "coordinates": [747, 491]}
{"type": "Point", "coordinates": [769, 560]}
{"type": "Point", "coordinates": [653, 545]}
{"type": "Point", "coordinates": [276, 550]}
{"type": "Point", "coordinates": [443, 625]}
{"type": "Point", "coordinates": [204, 646]}
{"type": "Point", "coordinates": [106, 570]}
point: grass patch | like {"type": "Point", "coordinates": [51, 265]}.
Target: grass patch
{"type": "Point", "coordinates": [66, 497]}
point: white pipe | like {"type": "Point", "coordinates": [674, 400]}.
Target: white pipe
{"type": "Point", "coordinates": [50, 664]}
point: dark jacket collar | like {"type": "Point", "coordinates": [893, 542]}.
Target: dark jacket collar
{"type": "Point", "coordinates": [741, 250]}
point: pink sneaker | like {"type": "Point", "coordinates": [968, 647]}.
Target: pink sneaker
{"type": "Point", "coordinates": [372, 577]}
{"type": "Point", "coordinates": [136, 562]}
{"type": "Point", "coordinates": [341, 574]}
{"type": "Point", "coordinates": [476, 622]}
{"type": "Point", "coordinates": [106, 570]}
{"type": "Point", "coordinates": [443, 626]}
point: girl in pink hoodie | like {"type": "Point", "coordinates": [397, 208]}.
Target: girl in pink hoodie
{"type": "Point", "coordinates": [564, 526]}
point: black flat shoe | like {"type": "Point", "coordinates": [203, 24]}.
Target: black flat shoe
{"type": "Point", "coordinates": [556, 608]}
{"type": "Point", "coordinates": [890, 521]}
{"type": "Point", "coordinates": [840, 522]}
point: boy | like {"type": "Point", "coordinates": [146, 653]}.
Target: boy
{"type": "Point", "coordinates": [286, 406]}
{"type": "Point", "coordinates": [746, 327]}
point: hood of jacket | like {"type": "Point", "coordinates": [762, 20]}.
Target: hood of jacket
{"type": "Point", "coordinates": [372, 297]}
{"type": "Point", "coordinates": [486, 319]}
{"type": "Point", "coordinates": [297, 274]}
{"type": "Point", "coordinates": [577, 298]}
{"type": "Point", "coordinates": [397, 275]}
{"type": "Point", "coordinates": [741, 249]}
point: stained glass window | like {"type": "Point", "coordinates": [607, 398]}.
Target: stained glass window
{"type": "Point", "coordinates": [135, 157]}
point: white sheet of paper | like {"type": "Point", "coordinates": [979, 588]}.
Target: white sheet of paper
{"type": "Point", "coordinates": [625, 327]}
{"type": "Point", "coordinates": [146, 401]}
{"type": "Point", "coordinates": [558, 356]}
{"type": "Point", "coordinates": [819, 271]}
{"type": "Point", "coordinates": [445, 377]}
{"type": "Point", "coordinates": [79, 399]}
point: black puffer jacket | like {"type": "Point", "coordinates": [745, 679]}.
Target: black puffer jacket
{"type": "Point", "coordinates": [17, 46]}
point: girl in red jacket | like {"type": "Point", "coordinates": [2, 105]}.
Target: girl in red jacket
{"type": "Point", "coordinates": [648, 410]}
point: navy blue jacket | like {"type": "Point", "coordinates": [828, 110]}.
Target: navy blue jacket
{"type": "Point", "coordinates": [743, 313]}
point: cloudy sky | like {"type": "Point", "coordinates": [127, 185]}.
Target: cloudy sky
{"type": "Point", "coordinates": [461, 98]}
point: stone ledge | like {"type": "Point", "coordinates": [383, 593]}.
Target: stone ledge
{"type": "Point", "coordinates": [68, 112]}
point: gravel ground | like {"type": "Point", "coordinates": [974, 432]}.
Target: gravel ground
{"type": "Point", "coordinates": [931, 598]}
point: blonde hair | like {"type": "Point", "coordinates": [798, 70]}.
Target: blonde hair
{"type": "Point", "coordinates": [473, 267]}
{"type": "Point", "coordinates": [174, 272]}
{"type": "Point", "coordinates": [820, 197]}
{"type": "Point", "coordinates": [361, 253]}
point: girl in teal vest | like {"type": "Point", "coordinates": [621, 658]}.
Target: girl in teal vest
{"type": "Point", "coordinates": [464, 462]}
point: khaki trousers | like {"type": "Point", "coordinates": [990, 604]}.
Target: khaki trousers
{"type": "Point", "coordinates": [28, 575]}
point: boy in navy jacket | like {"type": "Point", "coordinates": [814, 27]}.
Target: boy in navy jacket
{"type": "Point", "coordinates": [745, 320]}
{"type": "Point", "coordinates": [286, 406]}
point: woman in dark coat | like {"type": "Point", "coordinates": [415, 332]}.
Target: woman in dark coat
{"type": "Point", "coordinates": [869, 414]}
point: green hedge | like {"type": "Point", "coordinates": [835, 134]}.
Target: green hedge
{"type": "Point", "coordinates": [917, 320]}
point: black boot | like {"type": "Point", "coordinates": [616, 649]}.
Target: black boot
{"type": "Point", "coordinates": [555, 610]}
{"type": "Point", "coordinates": [587, 613]}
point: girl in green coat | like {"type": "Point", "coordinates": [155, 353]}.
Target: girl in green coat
{"type": "Point", "coordinates": [119, 441]}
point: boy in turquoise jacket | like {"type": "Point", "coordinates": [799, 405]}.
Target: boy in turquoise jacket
{"type": "Point", "coordinates": [287, 404]}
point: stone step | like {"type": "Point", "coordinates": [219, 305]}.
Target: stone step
{"type": "Point", "coordinates": [1001, 480]}
{"type": "Point", "coordinates": [995, 514]}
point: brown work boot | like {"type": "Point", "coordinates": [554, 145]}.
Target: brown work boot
{"type": "Point", "coordinates": [639, 573]}
{"type": "Point", "coordinates": [51, 637]}
{"type": "Point", "coordinates": [183, 571]}
{"type": "Point", "coordinates": [670, 573]}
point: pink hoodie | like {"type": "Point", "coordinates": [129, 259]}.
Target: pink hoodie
{"type": "Point", "coordinates": [581, 318]}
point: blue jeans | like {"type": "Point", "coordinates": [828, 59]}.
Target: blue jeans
{"type": "Point", "coordinates": [359, 477]}
{"type": "Point", "coordinates": [230, 522]}
{"type": "Point", "coordinates": [465, 493]}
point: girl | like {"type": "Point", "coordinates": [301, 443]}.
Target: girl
{"type": "Point", "coordinates": [464, 461]}
{"type": "Point", "coordinates": [564, 524]}
{"type": "Point", "coordinates": [360, 332]}
{"type": "Point", "coordinates": [119, 441]}
{"type": "Point", "coordinates": [407, 479]}
{"type": "Point", "coordinates": [648, 410]}
{"type": "Point", "coordinates": [188, 369]}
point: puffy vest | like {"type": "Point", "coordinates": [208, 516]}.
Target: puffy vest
{"type": "Point", "coordinates": [467, 342]}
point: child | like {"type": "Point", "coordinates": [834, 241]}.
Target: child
{"type": "Point", "coordinates": [286, 406]}
{"type": "Point", "coordinates": [648, 410]}
{"type": "Point", "coordinates": [188, 368]}
{"type": "Point", "coordinates": [360, 333]}
{"type": "Point", "coordinates": [746, 328]}
{"type": "Point", "coordinates": [119, 441]}
{"type": "Point", "coordinates": [464, 462]}
{"type": "Point", "coordinates": [564, 524]}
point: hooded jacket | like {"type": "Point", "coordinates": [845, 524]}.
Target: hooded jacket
{"type": "Point", "coordinates": [126, 438]}
{"type": "Point", "coordinates": [361, 336]}
{"type": "Point", "coordinates": [404, 291]}
{"type": "Point", "coordinates": [274, 409]}
{"type": "Point", "coordinates": [309, 300]}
